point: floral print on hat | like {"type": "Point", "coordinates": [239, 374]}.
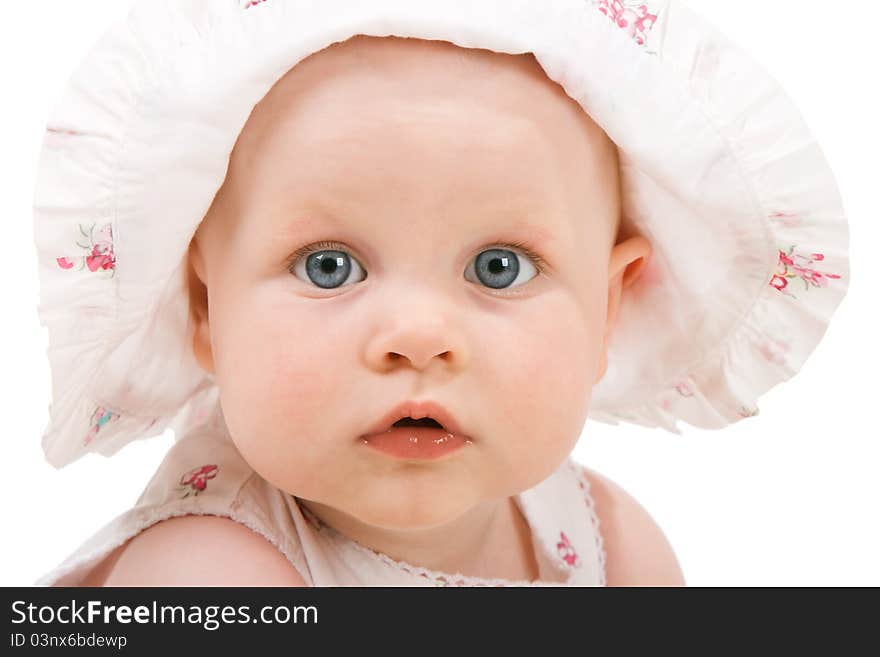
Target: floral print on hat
{"type": "Point", "coordinates": [99, 251]}
{"type": "Point", "coordinates": [794, 265]}
{"type": "Point", "coordinates": [100, 417]}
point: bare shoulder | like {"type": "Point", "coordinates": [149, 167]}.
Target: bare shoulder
{"type": "Point", "coordinates": [636, 550]}
{"type": "Point", "coordinates": [195, 551]}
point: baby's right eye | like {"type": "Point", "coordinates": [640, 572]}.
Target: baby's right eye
{"type": "Point", "coordinates": [326, 265]}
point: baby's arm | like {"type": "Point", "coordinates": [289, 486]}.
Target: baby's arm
{"type": "Point", "coordinates": [636, 550]}
{"type": "Point", "coordinates": [195, 551]}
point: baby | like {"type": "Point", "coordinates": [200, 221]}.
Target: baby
{"type": "Point", "coordinates": [405, 292]}
{"type": "Point", "coordinates": [465, 268]}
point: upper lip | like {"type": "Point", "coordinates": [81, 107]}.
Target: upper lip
{"type": "Point", "coordinates": [417, 410]}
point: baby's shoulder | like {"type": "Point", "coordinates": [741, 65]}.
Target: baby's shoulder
{"type": "Point", "coordinates": [637, 551]}
{"type": "Point", "coordinates": [224, 553]}
{"type": "Point", "coordinates": [204, 518]}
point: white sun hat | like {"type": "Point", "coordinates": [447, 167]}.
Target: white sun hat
{"type": "Point", "coordinates": [718, 169]}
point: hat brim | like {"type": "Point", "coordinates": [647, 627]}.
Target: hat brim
{"type": "Point", "coordinates": [718, 168]}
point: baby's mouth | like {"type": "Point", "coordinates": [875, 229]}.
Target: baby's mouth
{"type": "Point", "coordinates": [424, 416]}
{"type": "Point", "coordinates": [413, 440]}
{"type": "Point", "coordinates": [422, 422]}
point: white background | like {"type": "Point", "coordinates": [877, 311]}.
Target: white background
{"type": "Point", "coordinates": [786, 498]}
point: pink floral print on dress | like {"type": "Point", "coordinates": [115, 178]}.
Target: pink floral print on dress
{"type": "Point", "coordinates": [566, 550]}
{"type": "Point", "coordinates": [634, 18]}
{"type": "Point", "coordinates": [100, 417]}
{"type": "Point", "coordinates": [99, 251]}
{"type": "Point", "coordinates": [794, 265]}
{"type": "Point", "coordinates": [196, 480]}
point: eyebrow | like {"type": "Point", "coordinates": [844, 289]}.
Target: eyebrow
{"type": "Point", "coordinates": [536, 232]}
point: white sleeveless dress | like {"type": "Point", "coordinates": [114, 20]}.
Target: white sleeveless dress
{"type": "Point", "coordinates": [203, 473]}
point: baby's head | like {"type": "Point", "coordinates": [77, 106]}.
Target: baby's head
{"type": "Point", "coordinates": [408, 159]}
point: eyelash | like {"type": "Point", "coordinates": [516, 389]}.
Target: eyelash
{"type": "Point", "coordinates": [540, 263]}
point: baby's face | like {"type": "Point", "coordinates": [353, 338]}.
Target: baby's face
{"type": "Point", "coordinates": [408, 160]}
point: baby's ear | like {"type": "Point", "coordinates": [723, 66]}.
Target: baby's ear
{"type": "Point", "coordinates": [197, 294]}
{"type": "Point", "coordinates": [625, 265]}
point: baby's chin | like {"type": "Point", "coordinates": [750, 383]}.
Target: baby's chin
{"type": "Point", "coordinates": [409, 516]}
{"type": "Point", "coordinates": [428, 503]}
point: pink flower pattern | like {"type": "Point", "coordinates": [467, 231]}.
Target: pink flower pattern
{"type": "Point", "coordinates": [566, 550]}
{"type": "Point", "coordinates": [793, 265]}
{"type": "Point", "coordinates": [633, 18]}
{"type": "Point", "coordinates": [99, 251]}
{"type": "Point", "coordinates": [100, 417]}
{"type": "Point", "coordinates": [196, 480]}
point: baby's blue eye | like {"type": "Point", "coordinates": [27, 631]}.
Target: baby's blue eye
{"type": "Point", "coordinates": [328, 268]}
{"type": "Point", "coordinates": [499, 268]}
{"type": "Point", "coordinates": [496, 268]}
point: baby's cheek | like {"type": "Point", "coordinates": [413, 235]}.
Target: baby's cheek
{"type": "Point", "coordinates": [303, 374]}
{"type": "Point", "coordinates": [555, 356]}
{"type": "Point", "coordinates": [560, 345]}
{"type": "Point", "coordinates": [278, 375]}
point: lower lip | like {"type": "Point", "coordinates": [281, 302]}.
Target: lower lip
{"type": "Point", "coordinates": [416, 443]}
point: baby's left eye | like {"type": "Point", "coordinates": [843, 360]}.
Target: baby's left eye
{"type": "Point", "coordinates": [500, 268]}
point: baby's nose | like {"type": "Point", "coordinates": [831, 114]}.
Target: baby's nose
{"type": "Point", "coordinates": [419, 338]}
{"type": "Point", "coordinates": [418, 345]}
{"type": "Point", "coordinates": [420, 360]}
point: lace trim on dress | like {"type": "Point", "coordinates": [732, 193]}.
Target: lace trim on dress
{"type": "Point", "coordinates": [584, 484]}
